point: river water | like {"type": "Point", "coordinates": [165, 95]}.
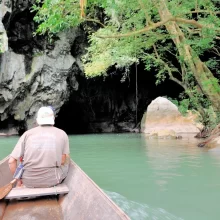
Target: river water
{"type": "Point", "coordinates": [149, 179]}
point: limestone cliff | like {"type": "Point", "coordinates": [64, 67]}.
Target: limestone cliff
{"type": "Point", "coordinates": [33, 72]}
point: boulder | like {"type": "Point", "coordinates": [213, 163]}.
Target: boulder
{"type": "Point", "coordinates": [163, 119]}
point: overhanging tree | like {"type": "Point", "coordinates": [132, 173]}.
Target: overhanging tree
{"type": "Point", "coordinates": [170, 36]}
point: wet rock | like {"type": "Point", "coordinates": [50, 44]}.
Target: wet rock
{"type": "Point", "coordinates": [213, 140]}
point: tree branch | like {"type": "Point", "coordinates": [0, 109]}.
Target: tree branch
{"type": "Point", "coordinates": [191, 31]}
{"type": "Point", "coordinates": [94, 20]}
{"type": "Point", "coordinates": [215, 51]}
{"type": "Point", "coordinates": [153, 26]}
{"type": "Point", "coordinates": [148, 20]}
{"type": "Point", "coordinates": [132, 33]}
{"type": "Point", "coordinates": [200, 11]}
{"type": "Point", "coordinates": [186, 21]}
{"type": "Point", "coordinates": [155, 50]}
{"type": "Point", "coordinates": [169, 70]}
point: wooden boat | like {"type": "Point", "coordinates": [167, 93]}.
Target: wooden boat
{"type": "Point", "coordinates": [84, 201]}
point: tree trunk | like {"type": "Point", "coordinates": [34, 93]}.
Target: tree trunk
{"type": "Point", "coordinates": [204, 77]}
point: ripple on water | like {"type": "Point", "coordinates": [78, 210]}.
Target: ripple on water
{"type": "Point", "coordinates": [138, 211]}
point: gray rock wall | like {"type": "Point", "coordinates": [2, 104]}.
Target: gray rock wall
{"type": "Point", "coordinates": [4, 7]}
{"type": "Point", "coordinates": [33, 72]}
{"type": "Point", "coordinates": [22, 92]}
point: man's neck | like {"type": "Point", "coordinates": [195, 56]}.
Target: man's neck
{"type": "Point", "coordinates": [46, 125]}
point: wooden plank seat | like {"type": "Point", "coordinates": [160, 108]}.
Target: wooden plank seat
{"type": "Point", "coordinates": [26, 193]}
{"type": "Point", "coordinates": [85, 200]}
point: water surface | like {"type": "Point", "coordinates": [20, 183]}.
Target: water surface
{"type": "Point", "coordinates": [149, 179]}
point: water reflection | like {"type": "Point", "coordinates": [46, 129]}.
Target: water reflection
{"type": "Point", "coordinates": [215, 153]}
{"type": "Point", "coordinates": [166, 157]}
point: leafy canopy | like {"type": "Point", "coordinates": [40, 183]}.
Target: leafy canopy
{"type": "Point", "coordinates": [132, 30]}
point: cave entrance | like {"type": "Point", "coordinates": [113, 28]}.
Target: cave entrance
{"type": "Point", "coordinates": [99, 100]}
{"type": "Point", "coordinates": [72, 118]}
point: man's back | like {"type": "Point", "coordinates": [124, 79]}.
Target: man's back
{"type": "Point", "coordinates": [42, 148]}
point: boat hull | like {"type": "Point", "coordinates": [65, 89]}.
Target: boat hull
{"type": "Point", "coordinates": [85, 200]}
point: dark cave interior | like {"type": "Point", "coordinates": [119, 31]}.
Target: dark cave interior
{"type": "Point", "coordinates": [99, 98]}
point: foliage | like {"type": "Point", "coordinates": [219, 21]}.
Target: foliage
{"type": "Point", "coordinates": [97, 61]}
{"type": "Point", "coordinates": [133, 31]}
{"type": "Point", "coordinates": [214, 64]}
{"type": "Point", "coordinates": [183, 105]}
{"type": "Point", "coordinates": [211, 119]}
{"type": "Point", "coordinates": [128, 17]}
{"type": "Point", "coordinates": [56, 15]}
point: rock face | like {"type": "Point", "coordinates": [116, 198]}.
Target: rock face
{"type": "Point", "coordinates": [33, 71]}
{"type": "Point", "coordinates": [163, 119]}
{"type": "Point", "coordinates": [23, 92]}
{"type": "Point", "coordinates": [36, 72]}
{"type": "Point", "coordinates": [213, 140]}
{"type": "Point", "coordinates": [4, 8]}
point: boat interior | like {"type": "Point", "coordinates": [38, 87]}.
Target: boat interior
{"type": "Point", "coordinates": [77, 198]}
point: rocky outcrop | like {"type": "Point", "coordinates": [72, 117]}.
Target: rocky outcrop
{"type": "Point", "coordinates": [4, 8]}
{"type": "Point", "coordinates": [163, 120]}
{"type": "Point", "coordinates": [213, 140]}
{"type": "Point", "coordinates": [23, 92]}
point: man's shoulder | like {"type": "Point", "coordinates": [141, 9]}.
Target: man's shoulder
{"type": "Point", "coordinates": [31, 130]}
{"type": "Point", "coordinates": [60, 131]}
{"type": "Point", "coordinates": [40, 129]}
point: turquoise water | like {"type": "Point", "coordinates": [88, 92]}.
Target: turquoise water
{"type": "Point", "coordinates": [149, 179]}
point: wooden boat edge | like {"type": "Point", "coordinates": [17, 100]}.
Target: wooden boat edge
{"type": "Point", "coordinates": [116, 207]}
{"type": "Point", "coordinates": [99, 204]}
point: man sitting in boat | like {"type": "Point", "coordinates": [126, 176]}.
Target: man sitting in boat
{"type": "Point", "coordinates": [44, 150]}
